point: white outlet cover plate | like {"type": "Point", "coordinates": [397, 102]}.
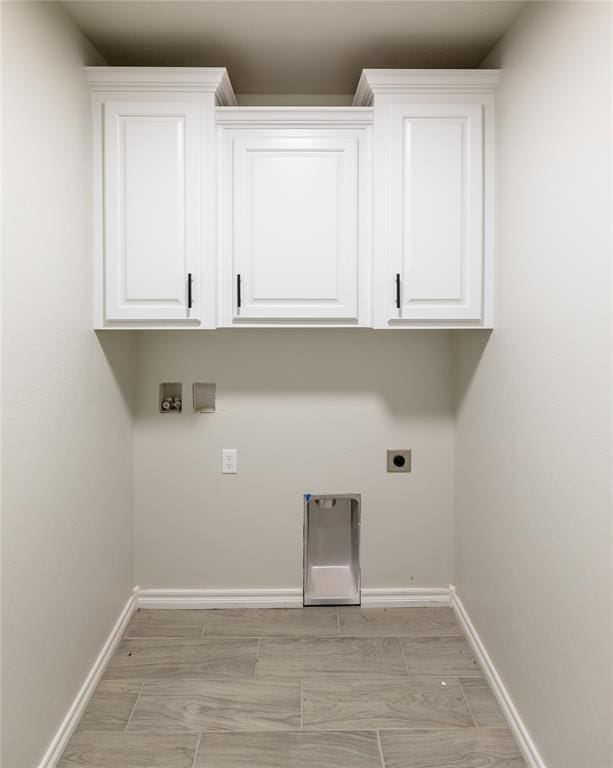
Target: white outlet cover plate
{"type": "Point", "coordinates": [229, 461]}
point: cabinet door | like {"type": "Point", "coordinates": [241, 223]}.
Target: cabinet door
{"type": "Point", "coordinates": [294, 226]}
{"type": "Point", "coordinates": [151, 210]}
{"type": "Point", "coordinates": [436, 209]}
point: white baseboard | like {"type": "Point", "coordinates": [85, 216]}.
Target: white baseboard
{"type": "Point", "coordinates": [65, 731]}
{"type": "Point", "coordinates": [281, 598]}
{"type": "Point", "coordinates": [405, 597]}
{"type": "Point", "coordinates": [219, 598]}
{"type": "Point", "coordinates": [516, 724]}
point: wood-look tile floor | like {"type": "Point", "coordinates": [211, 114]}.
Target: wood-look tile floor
{"type": "Point", "coordinates": [293, 688]}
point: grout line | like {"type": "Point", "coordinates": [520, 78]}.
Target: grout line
{"type": "Point", "coordinates": [301, 726]}
{"type": "Point", "coordinates": [206, 636]}
{"type": "Point", "coordinates": [257, 658]}
{"type": "Point", "coordinates": [467, 703]}
{"type": "Point", "coordinates": [338, 619]}
{"type": "Point", "coordinates": [404, 658]}
{"type": "Point", "coordinates": [279, 636]}
{"type": "Point", "coordinates": [431, 730]}
{"type": "Point", "coordinates": [380, 748]}
{"type": "Point", "coordinates": [157, 638]}
{"type": "Point", "coordinates": [197, 749]}
{"type": "Point", "coordinates": [140, 690]}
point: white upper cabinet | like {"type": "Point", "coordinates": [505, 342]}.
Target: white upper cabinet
{"type": "Point", "coordinates": [152, 204]}
{"type": "Point", "coordinates": [433, 167]}
{"type": "Point", "coordinates": [210, 215]}
{"type": "Point", "coordinates": [294, 216]}
{"type": "Point", "coordinates": [436, 211]}
{"type": "Point", "coordinates": [155, 195]}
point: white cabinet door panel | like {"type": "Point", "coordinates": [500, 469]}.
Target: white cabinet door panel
{"type": "Point", "coordinates": [294, 230]}
{"type": "Point", "coordinates": [436, 210]}
{"type": "Point", "coordinates": [151, 209]}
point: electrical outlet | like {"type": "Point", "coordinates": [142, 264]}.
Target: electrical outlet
{"type": "Point", "coordinates": [229, 461]}
{"type": "Point", "coordinates": [399, 460]}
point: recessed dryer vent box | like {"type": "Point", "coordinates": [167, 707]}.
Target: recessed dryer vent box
{"type": "Point", "coordinates": [332, 549]}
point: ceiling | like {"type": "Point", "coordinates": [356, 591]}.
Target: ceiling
{"type": "Point", "coordinates": [294, 46]}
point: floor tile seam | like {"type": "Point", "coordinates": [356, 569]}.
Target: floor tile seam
{"type": "Point", "coordinates": [470, 709]}
{"type": "Point", "coordinates": [138, 695]}
{"type": "Point", "coordinates": [195, 637]}
{"type": "Point", "coordinates": [353, 677]}
{"type": "Point", "coordinates": [314, 676]}
{"type": "Point", "coordinates": [187, 682]}
{"type": "Point", "coordinates": [414, 678]}
{"type": "Point", "coordinates": [173, 732]}
{"type": "Point", "coordinates": [280, 636]}
{"type": "Point", "coordinates": [460, 728]}
{"type": "Point", "coordinates": [295, 729]}
{"type": "Point", "coordinates": [308, 730]}
{"type": "Point", "coordinates": [257, 658]}
{"type": "Point", "coordinates": [154, 730]}
{"type": "Point", "coordinates": [404, 658]}
{"type": "Point", "coordinates": [369, 636]}
{"type": "Point", "coordinates": [310, 636]}
{"type": "Point", "coordinates": [214, 678]}
{"type": "Point", "coordinates": [205, 636]}
{"type": "Point", "coordinates": [380, 745]}
{"type": "Point", "coordinates": [394, 729]}
{"type": "Point", "coordinates": [197, 749]}
{"type": "Point", "coordinates": [164, 637]}
{"type": "Point", "coordinates": [457, 636]}
{"type": "Point", "coordinates": [399, 635]}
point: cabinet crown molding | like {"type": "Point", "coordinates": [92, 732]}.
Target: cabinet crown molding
{"type": "Point", "coordinates": [281, 117]}
{"type": "Point", "coordinates": [382, 81]}
{"type": "Point", "coordinates": [175, 79]}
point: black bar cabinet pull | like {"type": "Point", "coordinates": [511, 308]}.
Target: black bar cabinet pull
{"type": "Point", "coordinates": [189, 290]}
{"type": "Point", "coordinates": [397, 290]}
{"type": "Point", "coordinates": [238, 290]}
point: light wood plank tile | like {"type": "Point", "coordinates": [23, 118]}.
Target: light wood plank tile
{"type": "Point", "coordinates": [450, 656]}
{"type": "Point", "coordinates": [482, 703]}
{"type": "Point", "coordinates": [166, 623]}
{"type": "Point", "coordinates": [161, 659]}
{"type": "Point", "coordinates": [121, 750]}
{"type": "Point", "coordinates": [335, 703]}
{"type": "Point", "coordinates": [300, 657]}
{"type": "Point", "coordinates": [461, 748]}
{"type": "Point", "coordinates": [110, 707]}
{"type": "Point", "coordinates": [212, 705]}
{"type": "Point", "coordinates": [289, 750]}
{"type": "Point", "coordinates": [272, 622]}
{"type": "Point", "coordinates": [397, 622]}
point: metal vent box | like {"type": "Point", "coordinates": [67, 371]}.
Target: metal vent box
{"type": "Point", "coordinates": [332, 549]}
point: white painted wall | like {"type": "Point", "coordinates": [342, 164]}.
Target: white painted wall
{"type": "Point", "coordinates": [534, 546]}
{"type": "Point", "coordinates": [67, 437]}
{"type": "Point", "coordinates": [309, 411]}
